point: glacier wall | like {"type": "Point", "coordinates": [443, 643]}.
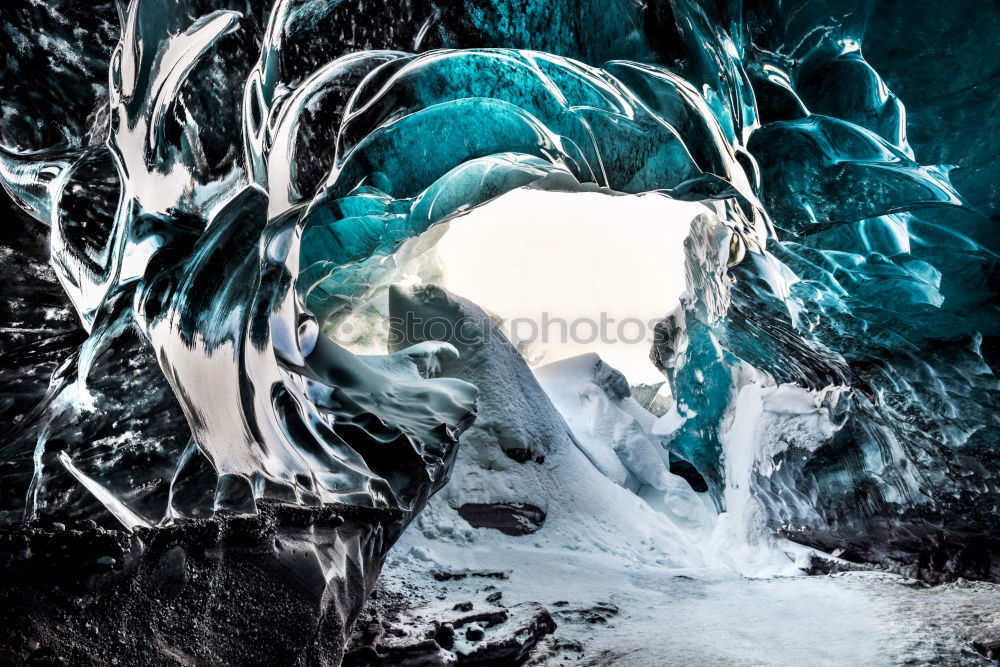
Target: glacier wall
{"type": "Point", "coordinates": [218, 182]}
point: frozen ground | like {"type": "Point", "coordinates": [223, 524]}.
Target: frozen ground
{"type": "Point", "coordinates": [614, 613]}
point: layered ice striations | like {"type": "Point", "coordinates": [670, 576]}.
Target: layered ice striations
{"type": "Point", "coordinates": [191, 262]}
{"type": "Point", "coordinates": [234, 177]}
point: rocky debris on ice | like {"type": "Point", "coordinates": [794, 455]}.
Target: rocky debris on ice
{"type": "Point", "coordinates": [989, 648]}
{"type": "Point", "coordinates": [497, 636]}
{"type": "Point", "coordinates": [508, 518]}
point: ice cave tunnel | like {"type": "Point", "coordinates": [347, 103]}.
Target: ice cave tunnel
{"type": "Point", "coordinates": [483, 332]}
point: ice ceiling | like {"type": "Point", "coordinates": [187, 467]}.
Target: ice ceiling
{"type": "Point", "coordinates": [221, 181]}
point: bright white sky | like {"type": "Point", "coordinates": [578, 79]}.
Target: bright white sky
{"type": "Point", "coordinates": [573, 256]}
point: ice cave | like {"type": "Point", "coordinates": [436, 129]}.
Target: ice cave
{"type": "Point", "coordinates": [495, 332]}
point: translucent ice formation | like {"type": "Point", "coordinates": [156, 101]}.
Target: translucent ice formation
{"type": "Point", "coordinates": [222, 182]}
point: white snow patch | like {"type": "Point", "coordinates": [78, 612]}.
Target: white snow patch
{"type": "Point", "coordinates": [616, 434]}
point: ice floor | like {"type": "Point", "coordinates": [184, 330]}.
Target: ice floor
{"type": "Point", "coordinates": [611, 613]}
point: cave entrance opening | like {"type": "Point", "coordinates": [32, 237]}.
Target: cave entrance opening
{"type": "Point", "coordinates": [562, 273]}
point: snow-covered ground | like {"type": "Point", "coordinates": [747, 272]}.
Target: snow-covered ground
{"type": "Point", "coordinates": [618, 613]}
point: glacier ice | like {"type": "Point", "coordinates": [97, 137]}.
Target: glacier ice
{"type": "Point", "coordinates": [206, 191]}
